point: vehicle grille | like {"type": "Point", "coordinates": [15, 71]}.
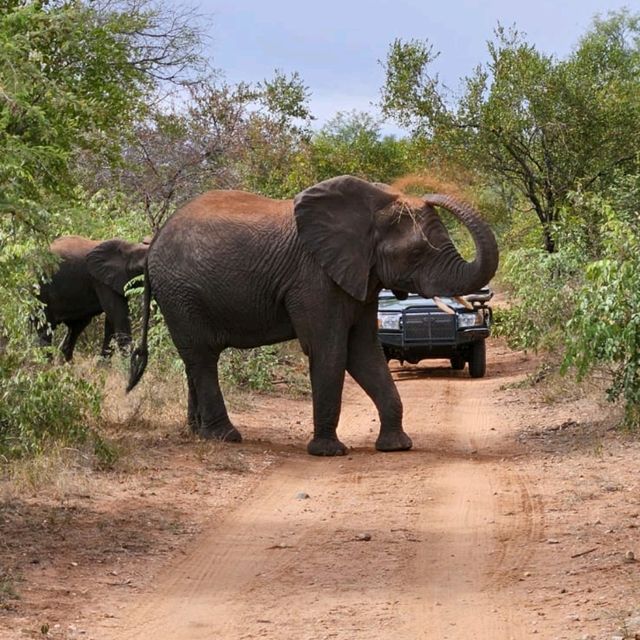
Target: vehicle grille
{"type": "Point", "coordinates": [434, 327]}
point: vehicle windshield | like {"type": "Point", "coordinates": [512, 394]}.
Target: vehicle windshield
{"type": "Point", "coordinates": [413, 298]}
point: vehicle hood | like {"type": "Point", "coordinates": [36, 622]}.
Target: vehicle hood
{"type": "Point", "coordinates": [386, 302]}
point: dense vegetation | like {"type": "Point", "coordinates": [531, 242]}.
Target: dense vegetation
{"type": "Point", "coordinates": [110, 118]}
{"type": "Point", "coordinates": [558, 144]}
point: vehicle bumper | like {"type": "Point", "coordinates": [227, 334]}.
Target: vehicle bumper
{"type": "Point", "coordinates": [397, 347]}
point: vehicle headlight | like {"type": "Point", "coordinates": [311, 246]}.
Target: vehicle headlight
{"type": "Point", "coordinates": [389, 321]}
{"type": "Point", "coordinates": [466, 320]}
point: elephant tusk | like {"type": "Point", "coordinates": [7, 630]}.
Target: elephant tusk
{"type": "Point", "coordinates": [464, 302]}
{"type": "Point", "coordinates": [442, 306]}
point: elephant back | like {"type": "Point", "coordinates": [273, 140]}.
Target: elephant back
{"type": "Point", "coordinates": [230, 204]}
{"type": "Point", "coordinates": [73, 247]}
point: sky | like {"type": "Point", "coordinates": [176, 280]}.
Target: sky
{"type": "Point", "coordinates": [336, 45]}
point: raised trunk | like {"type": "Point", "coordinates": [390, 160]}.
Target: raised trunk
{"type": "Point", "coordinates": [466, 277]}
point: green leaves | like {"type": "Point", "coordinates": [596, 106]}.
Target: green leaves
{"type": "Point", "coordinates": [541, 125]}
{"type": "Point", "coordinates": [543, 288]}
{"type": "Point", "coordinates": [74, 76]}
{"type": "Point", "coordinates": [583, 302]}
{"type": "Point", "coordinates": [40, 404]}
{"type": "Point", "coordinates": [411, 95]}
{"type": "Point", "coordinates": [286, 96]}
{"type": "Point", "coordinates": [351, 143]}
{"type": "Point", "coordinates": [604, 330]}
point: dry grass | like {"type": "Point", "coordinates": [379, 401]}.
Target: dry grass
{"type": "Point", "coordinates": [8, 589]}
{"type": "Point", "coordinates": [135, 429]}
{"type": "Point", "coordinates": [159, 400]}
{"type": "Point", "coordinates": [127, 424]}
{"type": "Point", "coordinates": [57, 473]}
{"type": "Point", "coordinates": [551, 387]}
{"type": "Point", "coordinates": [216, 456]}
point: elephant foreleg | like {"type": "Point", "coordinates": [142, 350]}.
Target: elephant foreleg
{"type": "Point", "coordinates": [45, 336]}
{"type": "Point", "coordinates": [116, 311]}
{"type": "Point", "coordinates": [75, 328]}
{"type": "Point", "coordinates": [327, 367]}
{"type": "Point", "coordinates": [43, 326]}
{"type": "Point", "coordinates": [123, 339]}
{"type": "Point", "coordinates": [368, 367]}
{"type": "Point", "coordinates": [107, 349]}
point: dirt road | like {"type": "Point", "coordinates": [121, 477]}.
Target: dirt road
{"type": "Point", "coordinates": [433, 543]}
{"type": "Point", "coordinates": [516, 515]}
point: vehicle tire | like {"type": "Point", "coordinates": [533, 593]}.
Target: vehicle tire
{"type": "Point", "coordinates": [457, 362]}
{"type": "Point", "coordinates": [478, 359]}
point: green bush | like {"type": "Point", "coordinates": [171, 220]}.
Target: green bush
{"type": "Point", "coordinates": [41, 403]}
{"type": "Point", "coordinates": [542, 286]}
{"type": "Point", "coordinates": [250, 368]}
{"type": "Point", "coordinates": [582, 303]}
{"type": "Point", "coordinates": [263, 368]}
{"type": "Point", "coordinates": [604, 330]}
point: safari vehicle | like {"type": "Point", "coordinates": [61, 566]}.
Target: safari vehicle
{"type": "Point", "coordinates": [418, 328]}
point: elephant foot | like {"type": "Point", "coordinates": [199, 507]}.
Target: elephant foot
{"type": "Point", "coordinates": [394, 441]}
{"type": "Point", "coordinates": [326, 447]}
{"type": "Point", "coordinates": [226, 433]}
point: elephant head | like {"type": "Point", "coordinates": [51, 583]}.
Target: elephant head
{"type": "Point", "coordinates": [368, 236]}
{"type": "Point", "coordinates": [115, 262]}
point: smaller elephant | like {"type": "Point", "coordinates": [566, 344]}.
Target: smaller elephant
{"type": "Point", "coordinates": [89, 280]}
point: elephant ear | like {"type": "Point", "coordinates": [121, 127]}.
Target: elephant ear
{"type": "Point", "coordinates": [336, 224]}
{"type": "Point", "coordinates": [115, 262]}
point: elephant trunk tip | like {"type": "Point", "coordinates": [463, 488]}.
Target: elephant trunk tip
{"type": "Point", "coordinates": [139, 359]}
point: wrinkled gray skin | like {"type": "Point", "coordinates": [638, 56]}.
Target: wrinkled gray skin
{"type": "Point", "coordinates": [231, 269]}
{"type": "Point", "coordinates": [89, 280]}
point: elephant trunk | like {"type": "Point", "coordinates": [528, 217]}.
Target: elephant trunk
{"type": "Point", "coordinates": [466, 277]}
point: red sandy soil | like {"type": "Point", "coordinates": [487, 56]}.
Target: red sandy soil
{"type": "Point", "coordinates": [514, 516]}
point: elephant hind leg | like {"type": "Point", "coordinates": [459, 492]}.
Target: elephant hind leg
{"type": "Point", "coordinates": [75, 328]}
{"type": "Point", "coordinates": [207, 412]}
{"type": "Point", "coordinates": [193, 414]}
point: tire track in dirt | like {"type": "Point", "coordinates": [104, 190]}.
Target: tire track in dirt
{"type": "Point", "coordinates": [460, 571]}
{"type": "Point", "coordinates": [450, 528]}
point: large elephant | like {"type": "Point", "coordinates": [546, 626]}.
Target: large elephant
{"type": "Point", "coordinates": [232, 269]}
{"type": "Point", "coordinates": [90, 279]}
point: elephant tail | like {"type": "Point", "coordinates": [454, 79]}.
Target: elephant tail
{"type": "Point", "coordinates": [140, 354]}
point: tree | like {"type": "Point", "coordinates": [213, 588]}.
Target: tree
{"type": "Point", "coordinates": [274, 132]}
{"type": "Point", "coordinates": [217, 135]}
{"type": "Point", "coordinates": [73, 76]}
{"type": "Point", "coordinates": [527, 120]}
{"type": "Point", "coordinates": [352, 143]}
